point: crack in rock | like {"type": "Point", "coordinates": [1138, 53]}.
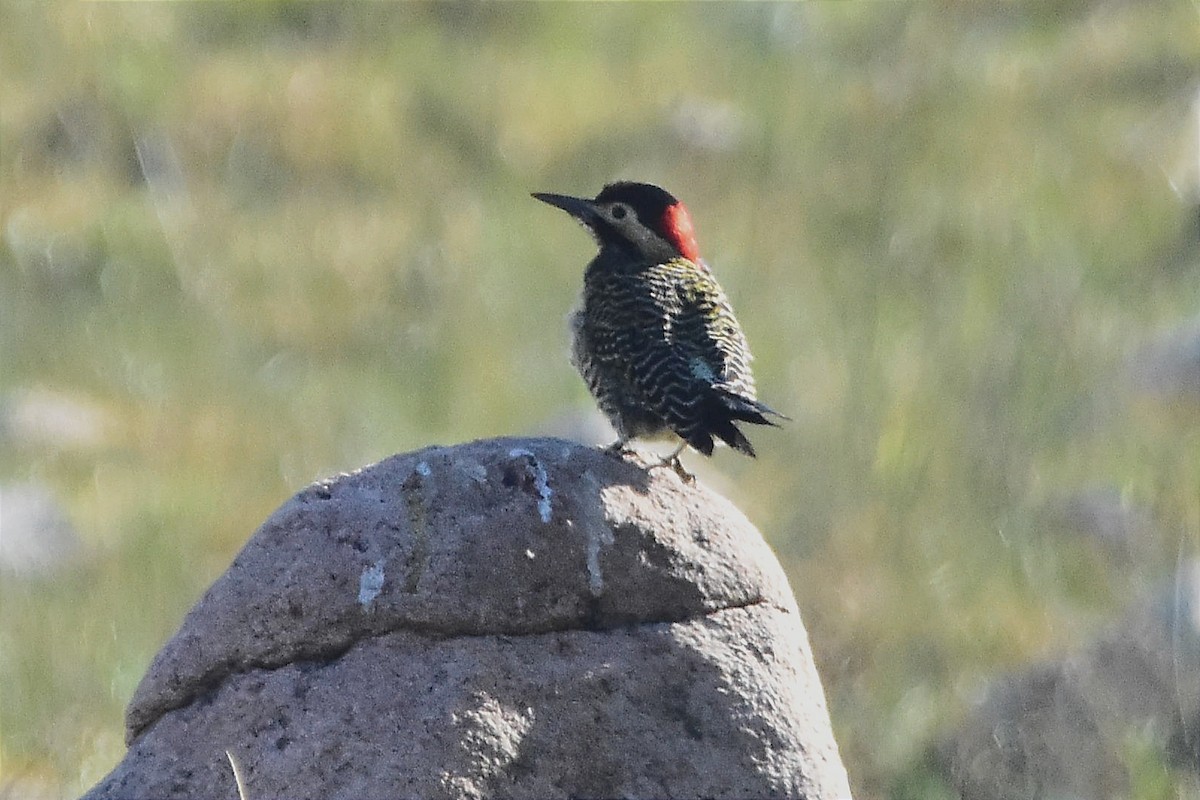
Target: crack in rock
{"type": "Point", "coordinates": [220, 673]}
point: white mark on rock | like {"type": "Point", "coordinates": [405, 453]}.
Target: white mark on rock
{"type": "Point", "coordinates": [541, 482]}
{"type": "Point", "coordinates": [370, 583]}
{"type": "Point", "coordinates": [423, 469]}
{"type": "Point", "coordinates": [530, 555]}
{"type": "Point", "coordinates": [598, 536]}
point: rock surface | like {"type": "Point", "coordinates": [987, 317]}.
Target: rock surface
{"type": "Point", "coordinates": [508, 618]}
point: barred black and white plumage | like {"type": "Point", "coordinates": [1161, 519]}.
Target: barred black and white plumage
{"type": "Point", "coordinates": [654, 335]}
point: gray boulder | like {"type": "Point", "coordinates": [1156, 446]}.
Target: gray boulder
{"type": "Point", "coordinates": [1063, 729]}
{"type": "Point", "coordinates": [507, 618]}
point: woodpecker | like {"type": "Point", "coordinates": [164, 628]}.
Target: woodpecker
{"type": "Point", "coordinates": [653, 334]}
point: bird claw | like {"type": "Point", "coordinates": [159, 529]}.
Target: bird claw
{"type": "Point", "coordinates": [675, 464]}
{"type": "Point", "coordinates": [619, 449]}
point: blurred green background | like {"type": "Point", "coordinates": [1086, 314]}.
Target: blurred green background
{"type": "Point", "coordinates": [246, 246]}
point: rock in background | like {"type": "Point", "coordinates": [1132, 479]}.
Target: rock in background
{"type": "Point", "coordinates": [37, 539]}
{"type": "Point", "coordinates": [1058, 729]}
{"type": "Point", "coordinates": [509, 618]}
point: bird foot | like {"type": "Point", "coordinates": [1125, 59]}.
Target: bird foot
{"type": "Point", "coordinates": [674, 463]}
{"type": "Point", "coordinates": [619, 449]}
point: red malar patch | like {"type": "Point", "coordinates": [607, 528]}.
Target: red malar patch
{"type": "Point", "coordinates": [677, 229]}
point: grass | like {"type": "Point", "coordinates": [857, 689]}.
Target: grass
{"type": "Point", "coordinates": [270, 242]}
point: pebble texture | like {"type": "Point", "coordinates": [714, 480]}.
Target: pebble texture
{"type": "Point", "coordinates": [524, 618]}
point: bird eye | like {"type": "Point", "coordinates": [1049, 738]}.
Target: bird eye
{"type": "Point", "coordinates": [619, 211]}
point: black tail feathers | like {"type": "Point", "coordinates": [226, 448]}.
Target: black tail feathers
{"type": "Point", "coordinates": [748, 410]}
{"type": "Point", "coordinates": [717, 419]}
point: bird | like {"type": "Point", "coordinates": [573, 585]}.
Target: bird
{"type": "Point", "coordinates": [653, 334]}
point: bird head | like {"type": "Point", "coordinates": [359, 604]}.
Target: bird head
{"type": "Point", "coordinates": [639, 218]}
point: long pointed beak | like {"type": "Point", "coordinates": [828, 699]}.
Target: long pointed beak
{"type": "Point", "coordinates": [578, 207]}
